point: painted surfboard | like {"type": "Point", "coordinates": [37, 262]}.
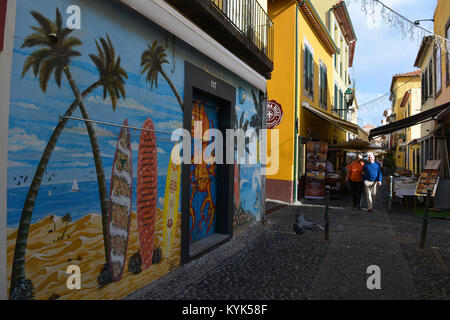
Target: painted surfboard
{"type": "Point", "coordinates": [147, 176]}
{"type": "Point", "coordinates": [120, 204]}
{"type": "Point", "coordinates": [171, 202]}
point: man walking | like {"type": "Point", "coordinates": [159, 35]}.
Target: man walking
{"type": "Point", "coordinates": [354, 176]}
{"type": "Point", "coordinates": [372, 179]}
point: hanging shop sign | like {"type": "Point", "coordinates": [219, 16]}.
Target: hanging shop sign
{"type": "Point", "coordinates": [316, 169]}
{"type": "Point", "coordinates": [274, 114]}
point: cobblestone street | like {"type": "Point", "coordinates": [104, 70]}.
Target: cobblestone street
{"type": "Point", "coordinates": [270, 262]}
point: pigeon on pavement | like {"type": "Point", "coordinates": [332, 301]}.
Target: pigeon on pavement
{"type": "Point", "coordinates": [300, 225]}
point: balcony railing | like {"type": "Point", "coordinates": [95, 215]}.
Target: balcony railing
{"type": "Point", "coordinates": [248, 17]}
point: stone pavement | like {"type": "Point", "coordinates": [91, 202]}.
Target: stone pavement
{"type": "Point", "coordinates": [270, 262]}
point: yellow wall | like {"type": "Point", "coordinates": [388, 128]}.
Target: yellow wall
{"type": "Point", "coordinates": [321, 129]}
{"type": "Point", "coordinates": [322, 8]}
{"type": "Point", "coordinates": [441, 17]}
{"type": "Point", "coordinates": [281, 86]}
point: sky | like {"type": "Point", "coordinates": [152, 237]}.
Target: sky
{"type": "Point", "coordinates": [382, 52]}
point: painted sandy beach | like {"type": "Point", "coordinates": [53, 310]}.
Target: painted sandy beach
{"type": "Point", "coordinates": [48, 258]}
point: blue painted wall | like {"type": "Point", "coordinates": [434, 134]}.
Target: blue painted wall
{"type": "Point", "coordinates": [34, 115]}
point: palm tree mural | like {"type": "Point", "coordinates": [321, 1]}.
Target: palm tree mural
{"type": "Point", "coordinates": [241, 124]}
{"type": "Point", "coordinates": [54, 57]}
{"type": "Point", "coordinates": [112, 80]}
{"type": "Point", "coordinates": [151, 62]}
{"type": "Point", "coordinates": [257, 119]}
{"type": "Point", "coordinates": [67, 218]}
{"type": "Point", "coordinates": [110, 70]}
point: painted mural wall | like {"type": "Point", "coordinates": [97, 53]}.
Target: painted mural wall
{"type": "Point", "coordinates": [101, 197]}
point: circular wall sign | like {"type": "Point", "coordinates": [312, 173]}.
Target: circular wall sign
{"type": "Point", "coordinates": [274, 114]}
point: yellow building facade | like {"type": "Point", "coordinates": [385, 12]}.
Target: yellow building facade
{"type": "Point", "coordinates": [442, 28]}
{"type": "Point", "coordinates": [401, 87]}
{"type": "Point", "coordinates": [301, 84]}
{"type": "Point", "coordinates": [411, 105]}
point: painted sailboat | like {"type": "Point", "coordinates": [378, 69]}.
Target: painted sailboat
{"type": "Point", "coordinates": [75, 187]}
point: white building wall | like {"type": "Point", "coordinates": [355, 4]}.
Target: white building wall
{"type": "Point", "coordinates": [5, 76]}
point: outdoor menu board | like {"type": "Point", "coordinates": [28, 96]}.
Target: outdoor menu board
{"type": "Point", "coordinates": [429, 178]}
{"type": "Point", "coordinates": [316, 168]}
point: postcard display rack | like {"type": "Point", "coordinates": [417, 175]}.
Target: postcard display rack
{"type": "Point", "coordinates": [429, 178]}
{"type": "Point", "coordinates": [316, 168]}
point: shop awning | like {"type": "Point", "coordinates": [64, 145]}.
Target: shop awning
{"type": "Point", "coordinates": [408, 122]}
{"type": "Point", "coordinates": [338, 122]}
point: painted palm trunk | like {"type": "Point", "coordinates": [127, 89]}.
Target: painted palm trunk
{"type": "Point", "coordinates": [203, 176]}
{"type": "Point", "coordinates": [120, 204]}
{"type": "Point", "coordinates": [147, 179]}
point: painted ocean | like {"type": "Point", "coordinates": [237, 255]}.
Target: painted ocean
{"type": "Point", "coordinates": [56, 199]}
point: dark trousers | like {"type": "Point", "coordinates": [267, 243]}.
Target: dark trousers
{"type": "Point", "coordinates": [357, 190]}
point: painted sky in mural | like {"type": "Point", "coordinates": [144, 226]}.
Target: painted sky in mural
{"type": "Point", "coordinates": [34, 115]}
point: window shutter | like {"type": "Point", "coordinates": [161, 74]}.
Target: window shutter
{"type": "Point", "coordinates": [423, 88]}
{"type": "Point", "coordinates": [311, 67]}
{"type": "Point", "coordinates": [335, 97]}
{"type": "Point", "coordinates": [430, 79]}
{"type": "Point", "coordinates": [325, 89]}
{"type": "Point", "coordinates": [305, 69]}
{"type": "Point", "coordinates": [438, 68]}
{"type": "Point", "coordinates": [447, 55]}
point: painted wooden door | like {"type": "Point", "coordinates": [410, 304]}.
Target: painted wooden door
{"type": "Point", "coordinates": [203, 176]}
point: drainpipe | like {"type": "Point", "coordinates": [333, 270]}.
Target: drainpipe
{"type": "Point", "coordinates": [296, 102]}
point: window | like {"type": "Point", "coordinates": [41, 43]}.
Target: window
{"type": "Point", "coordinates": [345, 110]}
{"type": "Point", "coordinates": [423, 86]}
{"type": "Point", "coordinates": [335, 39]}
{"type": "Point", "coordinates": [308, 73]}
{"type": "Point", "coordinates": [336, 97]}
{"type": "Point", "coordinates": [341, 106]}
{"type": "Point", "coordinates": [447, 35]}
{"type": "Point", "coordinates": [427, 83]}
{"type": "Point", "coordinates": [394, 99]}
{"type": "Point", "coordinates": [341, 57]}
{"type": "Point", "coordinates": [438, 71]}
{"type": "Point", "coordinates": [345, 64]}
{"type": "Point", "coordinates": [430, 79]}
{"type": "Point", "coordinates": [323, 87]}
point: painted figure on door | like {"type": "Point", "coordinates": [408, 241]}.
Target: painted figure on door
{"type": "Point", "coordinates": [202, 177]}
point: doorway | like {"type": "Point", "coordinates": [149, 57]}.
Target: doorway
{"type": "Point", "coordinates": [207, 188]}
{"type": "Point", "coordinates": [203, 176]}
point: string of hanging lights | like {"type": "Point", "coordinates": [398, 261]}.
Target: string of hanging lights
{"type": "Point", "coordinates": [404, 26]}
